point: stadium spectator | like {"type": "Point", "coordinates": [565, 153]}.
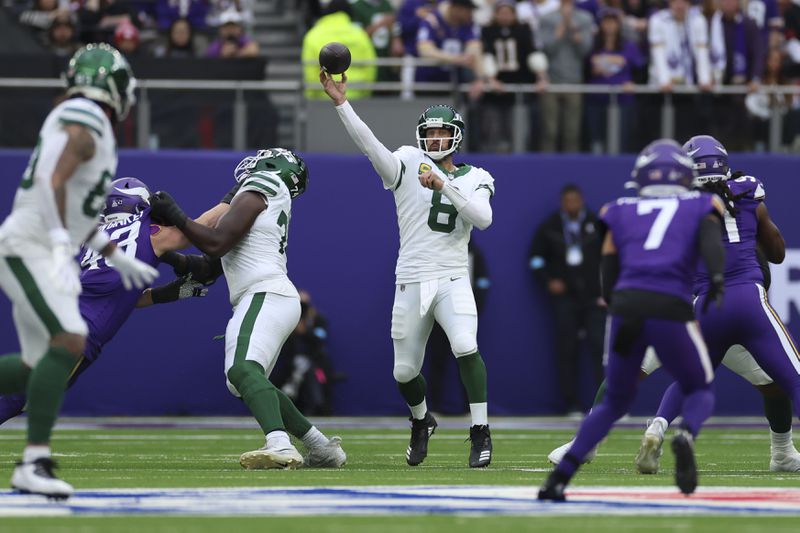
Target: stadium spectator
{"type": "Point", "coordinates": [566, 39]}
{"type": "Point", "coordinates": [180, 41]}
{"type": "Point", "coordinates": [611, 63]}
{"type": "Point", "coordinates": [530, 12]}
{"type": "Point", "coordinates": [509, 57]}
{"type": "Point", "coordinates": [439, 357]}
{"type": "Point", "coordinates": [62, 36]}
{"type": "Point", "coordinates": [679, 55]}
{"type": "Point", "coordinates": [126, 39]}
{"type": "Point", "coordinates": [565, 259]}
{"type": "Point", "coordinates": [232, 40]}
{"type": "Point", "coordinates": [744, 66]}
{"type": "Point", "coordinates": [218, 7]}
{"type": "Point", "coordinates": [336, 25]}
{"type": "Point", "coordinates": [305, 372]}
{"type": "Point", "coordinates": [448, 35]}
{"type": "Point", "coordinates": [409, 17]}
{"type": "Point", "coordinates": [378, 19]}
{"type": "Point", "coordinates": [767, 16]}
{"type": "Point", "coordinates": [42, 13]}
{"type": "Point", "coordinates": [99, 18]}
{"type": "Point", "coordinates": [168, 11]}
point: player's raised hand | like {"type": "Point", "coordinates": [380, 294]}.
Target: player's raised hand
{"type": "Point", "coordinates": [164, 208]}
{"type": "Point", "coordinates": [431, 181]}
{"type": "Point", "coordinates": [335, 89]}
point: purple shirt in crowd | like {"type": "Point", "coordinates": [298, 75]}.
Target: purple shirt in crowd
{"type": "Point", "coordinates": [446, 38]}
{"type": "Point", "coordinates": [656, 239]}
{"type": "Point", "coordinates": [215, 48]}
{"type": "Point", "coordinates": [741, 263]}
{"type": "Point", "coordinates": [617, 69]}
{"type": "Point", "coordinates": [104, 302]}
{"type": "Point", "coordinates": [409, 23]}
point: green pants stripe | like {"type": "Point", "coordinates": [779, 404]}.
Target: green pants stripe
{"type": "Point", "coordinates": [246, 329]}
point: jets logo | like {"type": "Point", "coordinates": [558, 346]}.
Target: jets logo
{"type": "Point", "coordinates": [423, 168]}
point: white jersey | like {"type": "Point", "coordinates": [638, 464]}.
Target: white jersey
{"type": "Point", "coordinates": [679, 49]}
{"type": "Point", "coordinates": [433, 237]}
{"type": "Point", "coordinates": [258, 262]}
{"type": "Point", "coordinates": [25, 232]}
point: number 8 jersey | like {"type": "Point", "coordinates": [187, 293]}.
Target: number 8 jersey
{"type": "Point", "coordinates": [433, 237]}
{"type": "Point", "coordinates": [657, 240]}
{"type": "Point", "coordinates": [24, 231]}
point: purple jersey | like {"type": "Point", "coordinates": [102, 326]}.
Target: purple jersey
{"type": "Point", "coordinates": [741, 263]}
{"type": "Point", "coordinates": [446, 38]}
{"type": "Point", "coordinates": [656, 239]}
{"type": "Point", "coordinates": [105, 304]}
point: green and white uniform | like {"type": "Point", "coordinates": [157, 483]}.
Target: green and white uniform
{"type": "Point", "coordinates": [266, 305]}
{"type": "Point", "coordinates": [41, 310]}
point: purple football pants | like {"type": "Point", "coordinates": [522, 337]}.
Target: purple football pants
{"type": "Point", "coordinates": [745, 318]}
{"type": "Point", "coordinates": [684, 356]}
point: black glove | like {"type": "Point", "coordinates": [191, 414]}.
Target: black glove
{"type": "Point", "coordinates": [716, 291]}
{"type": "Point", "coordinates": [164, 208]}
{"type": "Point", "coordinates": [179, 289]}
{"type": "Point", "coordinates": [202, 268]}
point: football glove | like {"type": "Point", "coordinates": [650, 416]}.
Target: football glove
{"type": "Point", "coordinates": [134, 273]}
{"type": "Point", "coordinates": [715, 292]}
{"type": "Point", "coordinates": [164, 208]}
{"type": "Point", "coordinates": [179, 289]}
{"type": "Point", "coordinates": [64, 271]}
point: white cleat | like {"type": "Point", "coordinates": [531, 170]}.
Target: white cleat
{"type": "Point", "coordinates": [38, 478]}
{"type": "Point", "coordinates": [329, 455]}
{"type": "Point", "coordinates": [650, 452]}
{"type": "Point", "coordinates": [785, 461]}
{"type": "Point", "coordinates": [283, 456]}
{"type": "Point", "coordinates": [558, 454]}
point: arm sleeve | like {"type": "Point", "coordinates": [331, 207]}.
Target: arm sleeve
{"type": "Point", "coordinates": [711, 248]}
{"type": "Point", "coordinates": [386, 163]}
{"type": "Point", "coordinates": [609, 274]}
{"type": "Point", "coordinates": [49, 154]}
{"type": "Point", "coordinates": [476, 209]}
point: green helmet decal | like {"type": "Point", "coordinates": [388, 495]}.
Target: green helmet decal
{"type": "Point", "coordinates": [279, 162]}
{"type": "Point", "coordinates": [440, 116]}
{"type": "Point", "coordinates": [100, 73]}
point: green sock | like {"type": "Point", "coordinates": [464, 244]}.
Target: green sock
{"type": "Point", "coordinates": [13, 374]}
{"type": "Point", "coordinates": [473, 376]}
{"type": "Point", "coordinates": [601, 392]}
{"type": "Point", "coordinates": [414, 391]}
{"type": "Point", "coordinates": [778, 410]}
{"type": "Point", "coordinates": [258, 393]}
{"type": "Point", "coordinates": [46, 386]}
{"type": "Point", "coordinates": [296, 424]}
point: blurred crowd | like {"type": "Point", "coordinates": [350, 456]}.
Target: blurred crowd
{"type": "Point", "coordinates": [156, 28]}
{"type": "Point", "coordinates": [662, 43]}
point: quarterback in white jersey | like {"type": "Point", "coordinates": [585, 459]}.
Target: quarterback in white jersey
{"type": "Point", "coordinates": [55, 210]}
{"type": "Point", "coordinates": [251, 238]}
{"type": "Point", "coordinates": [438, 203]}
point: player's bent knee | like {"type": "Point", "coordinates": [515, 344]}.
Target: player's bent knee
{"type": "Point", "coordinates": [465, 344]}
{"type": "Point", "coordinates": [71, 342]}
{"type": "Point", "coordinates": [232, 389]}
{"type": "Point", "coordinates": [404, 373]}
{"type": "Point", "coordinates": [240, 371]}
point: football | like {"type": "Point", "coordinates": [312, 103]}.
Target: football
{"type": "Point", "coordinates": [335, 58]}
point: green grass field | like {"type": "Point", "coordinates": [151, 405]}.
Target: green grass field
{"type": "Point", "coordinates": [165, 458]}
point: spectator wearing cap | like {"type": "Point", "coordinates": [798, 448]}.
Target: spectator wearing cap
{"type": "Point", "coordinates": [62, 36]}
{"type": "Point", "coordinates": [126, 39]}
{"type": "Point", "coordinates": [337, 25]}
{"type": "Point", "coordinates": [611, 62]}
{"type": "Point", "coordinates": [509, 58]}
{"type": "Point", "coordinates": [232, 42]}
{"type": "Point", "coordinates": [168, 11]}
{"type": "Point", "coordinates": [566, 39]}
{"type": "Point", "coordinates": [449, 35]}
{"type": "Point", "coordinates": [180, 41]}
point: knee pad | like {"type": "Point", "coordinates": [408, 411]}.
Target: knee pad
{"type": "Point", "coordinates": [404, 373]}
{"type": "Point", "coordinates": [241, 374]}
{"type": "Point", "coordinates": [463, 344]}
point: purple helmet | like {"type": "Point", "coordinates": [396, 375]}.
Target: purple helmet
{"type": "Point", "coordinates": [662, 169]}
{"type": "Point", "coordinates": [126, 196]}
{"type": "Point", "coordinates": [710, 159]}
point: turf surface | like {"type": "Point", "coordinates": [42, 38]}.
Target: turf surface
{"type": "Point", "coordinates": [161, 458]}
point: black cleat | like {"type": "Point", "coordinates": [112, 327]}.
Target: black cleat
{"type": "Point", "coordinates": [685, 466]}
{"type": "Point", "coordinates": [553, 488]}
{"type": "Point", "coordinates": [481, 453]}
{"type": "Point", "coordinates": [421, 431]}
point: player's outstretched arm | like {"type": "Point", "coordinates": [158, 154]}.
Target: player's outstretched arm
{"type": "Point", "coordinates": [769, 236]}
{"type": "Point", "coordinates": [609, 268]}
{"type": "Point", "coordinates": [475, 209]}
{"type": "Point", "coordinates": [179, 289]}
{"type": "Point", "coordinates": [229, 230]}
{"type": "Point", "coordinates": [386, 164]}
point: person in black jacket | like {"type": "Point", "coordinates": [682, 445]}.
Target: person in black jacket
{"type": "Point", "coordinates": [565, 259]}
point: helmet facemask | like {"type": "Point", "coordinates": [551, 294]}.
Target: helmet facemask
{"type": "Point", "coordinates": [455, 138]}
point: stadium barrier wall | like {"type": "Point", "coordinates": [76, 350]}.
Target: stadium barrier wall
{"type": "Point", "coordinates": [342, 248]}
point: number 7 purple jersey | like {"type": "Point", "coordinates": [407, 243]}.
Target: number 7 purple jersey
{"type": "Point", "coordinates": [740, 237]}
{"type": "Point", "coordinates": [104, 303]}
{"type": "Point", "coordinates": [657, 240]}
